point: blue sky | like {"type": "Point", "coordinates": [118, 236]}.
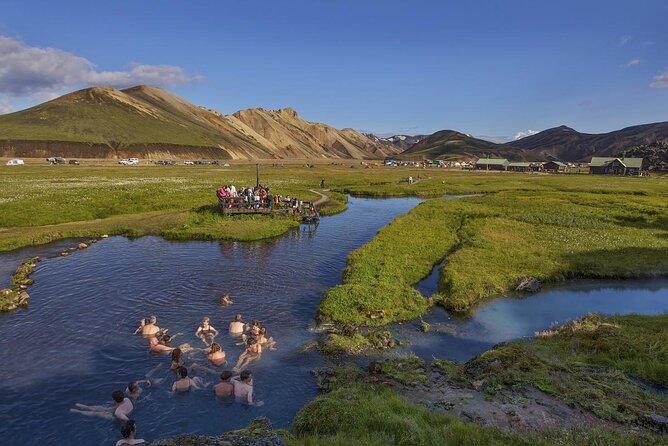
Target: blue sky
{"type": "Point", "coordinates": [481, 67]}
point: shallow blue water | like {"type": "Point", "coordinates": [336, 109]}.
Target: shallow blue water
{"type": "Point", "coordinates": [74, 343]}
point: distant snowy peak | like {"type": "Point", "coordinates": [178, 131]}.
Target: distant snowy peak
{"type": "Point", "coordinates": [520, 135]}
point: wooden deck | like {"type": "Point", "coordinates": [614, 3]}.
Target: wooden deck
{"type": "Point", "coordinates": [236, 206]}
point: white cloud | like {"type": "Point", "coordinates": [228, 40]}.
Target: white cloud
{"type": "Point", "coordinates": [520, 135]}
{"type": "Point", "coordinates": [631, 63]}
{"type": "Point", "coordinates": [27, 71]}
{"type": "Point", "coordinates": [660, 81]}
{"type": "Point", "coordinates": [646, 43]}
{"type": "Point", "coordinates": [625, 39]}
{"type": "Point", "coordinates": [5, 107]}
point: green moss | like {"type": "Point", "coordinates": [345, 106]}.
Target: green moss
{"type": "Point", "coordinates": [376, 415]}
{"type": "Point", "coordinates": [588, 362]}
{"type": "Point", "coordinates": [409, 371]}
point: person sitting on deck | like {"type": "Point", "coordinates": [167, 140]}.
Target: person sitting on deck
{"type": "Point", "coordinates": [222, 193]}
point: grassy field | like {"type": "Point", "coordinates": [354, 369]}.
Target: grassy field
{"type": "Point", "coordinates": [553, 229]}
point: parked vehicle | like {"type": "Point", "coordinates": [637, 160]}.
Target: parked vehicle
{"type": "Point", "coordinates": [15, 162]}
{"type": "Point", "coordinates": [75, 162]}
{"type": "Point", "coordinates": [129, 161]}
{"type": "Point", "coordinates": [188, 163]}
{"type": "Point", "coordinates": [56, 160]}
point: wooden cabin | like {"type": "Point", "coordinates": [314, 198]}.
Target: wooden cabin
{"type": "Point", "coordinates": [616, 166]}
{"type": "Point", "coordinates": [492, 164]}
{"type": "Point", "coordinates": [554, 166]}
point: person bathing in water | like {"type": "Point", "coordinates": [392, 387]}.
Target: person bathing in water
{"type": "Point", "coordinates": [225, 300]}
{"type": "Point", "coordinates": [156, 345]}
{"type": "Point", "coordinates": [129, 432]}
{"type": "Point", "coordinates": [121, 409]}
{"type": "Point", "coordinates": [216, 354]}
{"type": "Point", "coordinates": [184, 384]}
{"type": "Point", "coordinates": [224, 389]}
{"type": "Point", "coordinates": [266, 343]}
{"type": "Point", "coordinates": [134, 388]}
{"type": "Point", "coordinates": [206, 331]}
{"type": "Point", "coordinates": [236, 326]}
{"type": "Point", "coordinates": [243, 389]}
{"type": "Point", "coordinates": [151, 328]}
{"type": "Point", "coordinates": [253, 352]}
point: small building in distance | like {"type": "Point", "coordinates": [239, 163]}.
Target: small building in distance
{"type": "Point", "coordinates": [554, 166]}
{"type": "Point", "coordinates": [492, 164]}
{"type": "Point", "coordinates": [520, 166]}
{"type": "Point", "coordinates": [616, 166]}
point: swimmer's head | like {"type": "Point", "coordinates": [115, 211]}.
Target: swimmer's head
{"type": "Point", "coordinates": [117, 396]}
{"type": "Point", "coordinates": [128, 428]}
{"type": "Point", "coordinates": [263, 331]}
{"type": "Point", "coordinates": [153, 320]}
{"type": "Point", "coordinates": [177, 354]}
{"type": "Point", "coordinates": [166, 338]}
{"type": "Point", "coordinates": [133, 387]}
{"type": "Point", "coordinates": [215, 347]}
{"type": "Point", "coordinates": [237, 318]}
{"type": "Point", "coordinates": [256, 323]}
{"type": "Point", "coordinates": [225, 375]}
{"type": "Point", "coordinates": [205, 320]}
{"type": "Point", "coordinates": [245, 375]}
{"type": "Point", "coordinates": [182, 371]}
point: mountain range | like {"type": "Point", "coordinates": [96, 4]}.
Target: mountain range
{"type": "Point", "coordinates": [150, 122]}
{"type": "Point", "coordinates": [559, 143]}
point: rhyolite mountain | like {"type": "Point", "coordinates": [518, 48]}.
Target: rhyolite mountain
{"type": "Point", "coordinates": [150, 122]}
{"type": "Point", "coordinates": [402, 142]}
{"type": "Point", "coordinates": [559, 143]}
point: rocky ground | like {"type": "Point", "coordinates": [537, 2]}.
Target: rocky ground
{"type": "Point", "coordinates": [259, 433]}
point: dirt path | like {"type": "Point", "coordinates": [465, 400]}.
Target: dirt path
{"type": "Point", "coordinates": [323, 198]}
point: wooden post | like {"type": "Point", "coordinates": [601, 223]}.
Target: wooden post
{"type": "Point", "coordinates": [257, 175]}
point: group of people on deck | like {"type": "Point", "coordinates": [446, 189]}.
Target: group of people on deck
{"type": "Point", "coordinates": [252, 338]}
{"type": "Point", "coordinates": [256, 197]}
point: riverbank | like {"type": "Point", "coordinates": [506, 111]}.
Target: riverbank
{"type": "Point", "coordinates": [42, 203]}
{"type": "Point", "coordinates": [575, 385]}
{"type": "Point", "coordinates": [489, 245]}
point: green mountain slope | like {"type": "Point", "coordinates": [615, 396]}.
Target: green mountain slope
{"type": "Point", "coordinates": [148, 121]}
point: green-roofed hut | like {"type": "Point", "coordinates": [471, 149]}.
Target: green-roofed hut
{"type": "Point", "coordinates": [554, 166]}
{"type": "Point", "coordinates": [492, 164]}
{"type": "Point", "coordinates": [602, 165]}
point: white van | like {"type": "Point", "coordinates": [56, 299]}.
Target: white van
{"type": "Point", "coordinates": [15, 162]}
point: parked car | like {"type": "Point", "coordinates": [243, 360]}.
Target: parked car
{"type": "Point", "coordinates": [216, 163]}
{"type": "Point", "coordinates": [75, 162]}
{"type": "Point", "coordinates": [129, 161]}
{"type": "Point", "coordinates": [188, 163]}
{"type": "Point", "coordinates": [15, 162]}
{"type": "Point", "coordinates": [56, 160]}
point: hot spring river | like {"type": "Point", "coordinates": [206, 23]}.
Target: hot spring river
{"type": "Point", "coordinates": [74, 343]}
